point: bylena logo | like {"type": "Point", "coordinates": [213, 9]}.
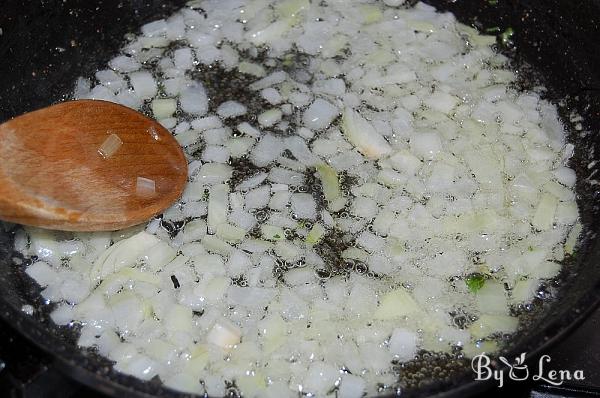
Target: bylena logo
{"type": "Point", "coordinates": [518, 370]}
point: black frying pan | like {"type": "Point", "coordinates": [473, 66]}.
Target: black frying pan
{"type": "Point", "coordinates": [46, 44]}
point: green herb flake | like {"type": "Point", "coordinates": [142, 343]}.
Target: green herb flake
{"type": "Point", "coordinates": [493, 2]}
{"type": "Point", "coordinates": [475, 282]}
{"type": "Point", "coordinates": [506, 36]}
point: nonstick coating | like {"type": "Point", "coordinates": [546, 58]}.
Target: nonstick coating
{"type": "Point", "coordinates": [46, 45]}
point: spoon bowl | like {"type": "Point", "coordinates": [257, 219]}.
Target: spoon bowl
{"type": "Point", "coordinates": [87, 165]}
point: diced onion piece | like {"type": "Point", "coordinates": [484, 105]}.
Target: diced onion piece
{"type": "Point", "coordinates": [320, 378]}
{"type": "Point", "coordinates": [163, 107]}
{"type": "Point", "coordinates": [247, 129]}
{"type": "Point", "coordinates": [216, 245]}
{"type": "Point", "coordinates": [304, 205]}
{"type": "Point", "coordinates": [230, 233]}
{"type": "Point", "coordinates": [179, 318]}
{"type": "Point", "coordinates": [123, 63]}
{"type": "Point", "coordinates": [363, 136]}
{"type": "Point", "coordinates": [486, 167]}
{"type": "Point", "coordinates": [206, 123]}
{"type": "Point", "coordinates": [251, 182]}
{"type": "Point", "coordinates": [155, 28]}
{"type": "Point", "coordinates": [426, 145]}
{"type": "Point", "coordinates": [524, 290]}
{"type": "Point", "coordinates": [253, 385]}
{"type": "Point", "coordinates": [239, 146]}
{"type": "Point", "coordinates": [43, 274]}
{"type": "Point", "coordinates": [137, 275]}
{"type": "Point", "coordinates": [153, 133]}
{"type": "Point", "coordinates": [338, 204]}
{"type": "Point", "coordinates": [403, 344]}
{"type": "Point", "coordinates": [218, 203]}
{"type": "Point", "coordinates": [159, 255]}
{"type": "Point", "coordinates": [491, 298]}
{"type": "Point", "coordinates": [287, 250]}
{"type": "Point", "coordinates": [143, 84]}
{"type": "Point", "coordinates": [270, 33]}
{"type": "Point", "coordinates": [145, 187]}
{"type": "Point", "coordinates": [267, 150]}
{"type": "Point", "coordinates": [110, 146]}
{"type": "Point", "coordinates": [271, 232]}
{"type": "Point", "coordinates": [544, 214]}
{"type": "Point", "coordinates": [122, 254]}
{"type": "Point", "coordinates": [319, 114]}
{"type": "Point", "coordinates": [224, 334]}
{"type": "Point", "coordinates": [258, 197]}
{"type": "Point", "coordinates": [300, 151]}
{"type": "Point", "coordinates": [251, 69]}
{"type": "Point", "coordinates": [316, 234]}
{"type": "Point", "coordinates": [238, 264]}
{"type": "Point", "coordinates": [230, 109]}
{"type": "Point", "coordinates": [352, 386]}
{"type": "Point", "coordinates": [270, 80]}
{"type": "Point", "coordinates": [330, 182]}
{"type": "Point", "coordinates": [565, 176]}
{"type": "Point", "coordinates": [212, 173]}
{"type": "Point", "coordinates": [442, 102]}
{"type": "Point", "coordinates": [194, 100]}
{"type": "Point", "coordinates": [271, 95]}
{"type": "Point", "coordinates": [139, 366]}
{"type": "Point", "coordinates": [573, 238]}
{"type": "Point", "coordinates": [489, 324]}
{"type": "Point", "coordinates": [396, 304]}
{"type": "Point", "coordinates": [354, 253]}
{"type": "Point", "coordinates": [193, 231]}
{"type": "Point", "coordinates": [270, 117]}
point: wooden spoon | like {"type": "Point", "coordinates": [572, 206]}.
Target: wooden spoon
{"type": "Point", "coordinates": [57, 170]}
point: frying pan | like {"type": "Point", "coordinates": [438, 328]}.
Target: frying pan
{"type": "Point", "coordinates": [46, 44]}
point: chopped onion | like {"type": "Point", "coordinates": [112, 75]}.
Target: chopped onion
{"type": "Point", "coordinates": [145, 187]}
{"type": "Point", "coordinates": [403, 344]}
{"type": "Point", "coordinates": [110, 146]}
{"type": "Point", "coordinates": [316, 234]}
{"type": "Point", "coordinates": [217, 205]}
{"type": "Point", "coordinates": [319, 114]}
{"type": "Point", "coordinates": [143, 84]}
{"type": "Point", "coordinates": [396, 304]}
{"type": "Point", "coordinates": [270, 117]}
{"type": "Point", "coordinates": [224, 334]}
{"type": "Point", "coordinates": [123, 63]}
{"type": "Point", "coordinates": [270, 80]}
{"type": "Point", "coordinates": [231, 109]}
{"type": "Point", "coordinates": [434, 145]}
{"type": "Point", "coordinates": [163, 107]}
{"type": "Point", "coordinates": [544, 215]}
{"type": "Point", "coordinates": [251, 69]}
{"type": "Point", "coordinates": [362, 135]}
{"type": "Point", "coordinates": [193, 100]}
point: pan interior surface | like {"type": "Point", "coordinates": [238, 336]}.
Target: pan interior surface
{"type": "Point", "coordinates": [574, 288]}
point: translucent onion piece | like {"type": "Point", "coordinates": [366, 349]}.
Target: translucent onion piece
{"type": "Point", "coordinates": [110, 146]}
{"type": "Point", "coordinates": [145, 187]}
